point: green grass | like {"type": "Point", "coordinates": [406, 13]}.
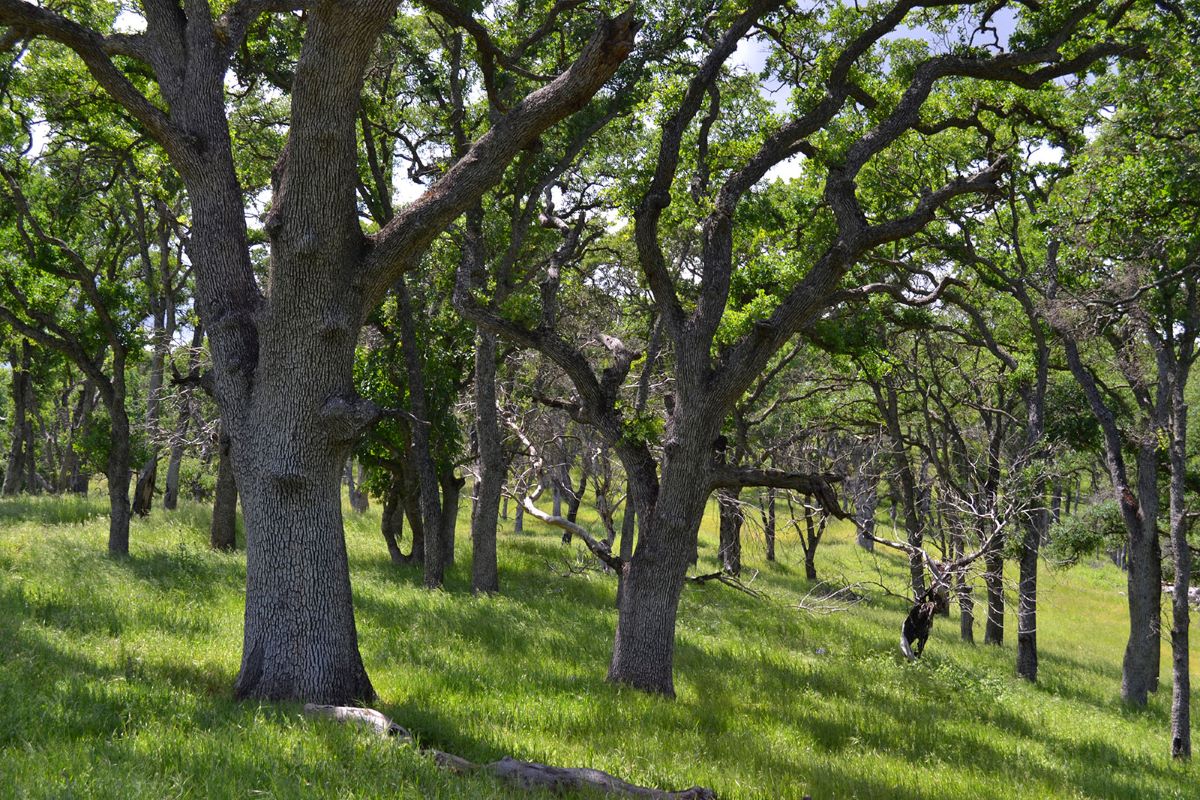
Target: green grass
{"type": "Point", "coordinates": [115, 680]}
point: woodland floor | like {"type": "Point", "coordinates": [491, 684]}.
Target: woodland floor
{"type": "Point", "coordinates": [115, 679]}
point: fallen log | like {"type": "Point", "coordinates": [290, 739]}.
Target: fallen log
{"type": "Point", "coordinates": [522, 774]}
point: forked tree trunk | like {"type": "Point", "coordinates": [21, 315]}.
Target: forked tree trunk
{"type": "Point", "coordinates": [1140, 667]}
{"type": "Point", "coordinates": [519, 518]}
{"type": "Point", "coordinates": [812, 538]}
{"type": "Point", "coordinates": [420, 448]}
{"type": "Point", "coordinates": [222, 533]}
{"type": "Point", "coordinates": [651, 583]}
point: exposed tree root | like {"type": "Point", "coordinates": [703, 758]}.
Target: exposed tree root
{"type": "Point", "coordinates": [523, 774]}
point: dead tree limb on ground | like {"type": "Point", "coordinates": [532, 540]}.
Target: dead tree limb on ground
{"type": "Point", "coordinates": [523, 774]}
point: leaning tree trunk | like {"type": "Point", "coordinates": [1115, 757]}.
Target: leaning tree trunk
{"type": "Point", "coordinates": [575, 499]}
{"type": "Point", "coordinates": [729, 553]}
{"type": "Point", "coordinates": [222, 533]}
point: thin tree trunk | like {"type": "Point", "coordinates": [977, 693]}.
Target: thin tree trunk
{"type": "Point", "coordinates": [186, 413]}
{"type": "Point", "coordinates": [421, 447]}
{"type": "Point", "coordinates": [519, 517]}
{"type": "Point", "coordinates": [118, 472]}
{"type": "Point", "coordinates": [1181, 712]}
{"type": "Point", "coordinates": [452, 486]}
{"type": "Point", "coordinates": [993, 579]}
{"type": "Point", "coordinates": [812, 537]}
{"type": "Point", "coordinates": [729, 554]}
{"type": "Point", "coordinates": [175, 461]}
{"type": "Point", "coordinates": [357, 497]}
{"type": "Point", "coordinates": [769, 524]}
{"type": "Point", "coordinates": [14, 473]}
{"type": "Point", "coordinates": [485, 576]}
{"type": "Point", "coordinates": [1027, 655]}
{"type": "Point", "coordinates": [72, 477]}
{"type": "Point", "coordinates": [576, 497]}
{"type": "Point", "coordinates": [393, 521]}
{"type": "Point", "coordinates": [963, 589]}
{"type": "Point", "coordinates": [222, 534]}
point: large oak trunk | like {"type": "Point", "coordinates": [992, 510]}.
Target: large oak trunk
{"type": "Point", "coordinates": [648, 600]}
{"type": "Point", "coordinates": [644, 647]}
{"type": "Point", "coordinates": [300, 638]}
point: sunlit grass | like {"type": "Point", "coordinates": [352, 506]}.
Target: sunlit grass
{"type": "Point", "coordinates": [115, 679]}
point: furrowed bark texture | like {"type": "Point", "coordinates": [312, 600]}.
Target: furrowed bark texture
{"type": "Point", "coordinates": [222, 533]}
{"type": "Point", "coordinates": [283, 359]}
{"type": "Point", "coordinates": [644, 646]}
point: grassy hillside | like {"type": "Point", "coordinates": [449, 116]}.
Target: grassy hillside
{"type": "Point", "coordinates": [115, 680]}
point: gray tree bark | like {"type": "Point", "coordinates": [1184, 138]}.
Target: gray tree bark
{"type": "Point", "coordinates": [222, 534]}
{"type": "Point", "coordinates": [485, 575]}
